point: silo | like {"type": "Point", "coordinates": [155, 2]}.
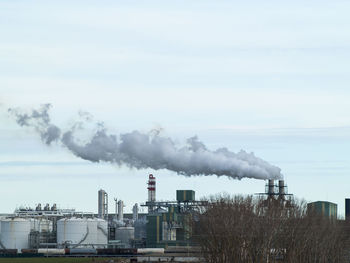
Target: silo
{"type": "Point", "coordinates": [124, 234]}
{"type": "Point", "coordinates": [72, 231]}
{"type": "Point", "coordinates": [102, 232]}
{"type": "Point", "coordinates": [82, 232]}
{"type": "Point", "coordinates": [15, 233]}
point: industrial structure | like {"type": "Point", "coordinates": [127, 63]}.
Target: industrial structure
{"type": "Point", "coordinates": [347, 208]}
{"type": "Point", "coordinates": [323, 208]}
{"type": "Point", "coordinates": [276, 193]}
{"type": "Point", "coordinates": [167, 225]}
{"type": "Point", "coordinates": [102, 204]}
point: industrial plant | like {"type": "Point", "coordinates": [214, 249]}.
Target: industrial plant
{"type": "Point", "coordinates": [165, 228]}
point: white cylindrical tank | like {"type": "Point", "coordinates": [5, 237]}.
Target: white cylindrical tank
{"type": "Point", "coordinates": [81, 232]}
{"type": "Point", "coordinates": [71, 230]}
{"type": "Point", "coordinates": [102, 232]}
{"type": "Point", "coordinates": [124, 234]}
{"type": "Point", "coordinates": [15, 233]}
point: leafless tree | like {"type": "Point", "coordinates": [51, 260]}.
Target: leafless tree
{"type": "Point", "coordinates": [248, 229]}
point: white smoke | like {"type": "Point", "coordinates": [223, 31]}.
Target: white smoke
{"type": "Point", "coordinates": [140, 150]}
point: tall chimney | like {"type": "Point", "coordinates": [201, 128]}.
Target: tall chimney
{"type": "Point", "coordinates": [151, 192]}
{"type": "Point", "coordinates": [102, 204]}
{"type": "Point", "coordinates": [120, 210]}
{"type": "Point", "coordinates": [135, 212]}
{"type": "Point", "coordinates": [151, 188]}
{"type": "Point", "coordinates": [271, 187]}
{"type": "Point", "coordinates": [116, 208]}
{"type": "Point", "coordinates": [281, 188]}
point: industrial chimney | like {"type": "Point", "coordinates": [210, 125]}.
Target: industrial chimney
{"type": "Point", "coordinates": [135, 212]}
{"type": "Point", "coordinates": [120, 211]}
{"type": "Point", "coordinates": [281, 189]}
{"type": "Point", "coordinates": [151, 192]}
{"type": "Point", "coordinates": [116, 209]}
{"type": "Point", "coordinates": [271, 187]}
{"type": "Point", "coordinates": [151, 188]}
{"type": "Point", "coordinates": [102, 204]}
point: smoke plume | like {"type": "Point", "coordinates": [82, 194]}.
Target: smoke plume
{"type": "Point", "coordinates": [140, 150]}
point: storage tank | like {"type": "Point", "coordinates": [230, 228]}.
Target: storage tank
{"type": "Point", "coordinates": [81, 232]}
{"type": "Point", "coordinates": [102, 232]}
{"type": "Point", "coordinates": [15, 233]}
{"type": "Point", "coordinates": [124, 234]}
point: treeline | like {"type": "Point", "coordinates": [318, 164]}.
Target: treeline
{"type": "Point", "coordinates": [248, 229]}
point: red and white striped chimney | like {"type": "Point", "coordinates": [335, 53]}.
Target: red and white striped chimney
{"type": "Point", "coordinates": [151, 188]}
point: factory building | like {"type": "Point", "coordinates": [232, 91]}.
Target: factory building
{"type": "Point", "coordinates": [347, 208]}
{"type": "Point", "coordinates": [276, 194]}
{"type": "Point", "coordinates": [323, 208]}
{"type": "Point", "coordinates": [170, 222]}
{"type": "Point", "coordinates": [167, 224]}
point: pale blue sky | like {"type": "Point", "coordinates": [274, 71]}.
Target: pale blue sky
{"type": "Point", "coordinates": [265, 76]}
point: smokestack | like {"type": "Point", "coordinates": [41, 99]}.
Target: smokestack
{"type": "Point", "coordinates": [281, 189]}
{"type": "Point", "coordinates": [116, 208]}
{"type": "Point", "coordinates": [120, 210]}
{"type": "Point", "coordinates": [102, 204]}
{"type": "Point", "coordinates": [151, 192]}
{"type": "Point", "coordinates": [135, 212]}
{"type": "Point", "coordinates": [151, 188]}
{"type": "Point", "coordinates": [271, 187]}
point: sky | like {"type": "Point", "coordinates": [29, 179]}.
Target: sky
{"type": "Point", "coordinates": [269, 77]}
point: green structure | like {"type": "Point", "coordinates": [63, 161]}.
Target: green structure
{"type": "Point", "coordinates": [168, 229]}
{"type": "Point", "coordinates": [323, 208]}
{"type": "Point", "coordinates": [185, 195]}
{"type": "Point", "coordinates": [170, 224]}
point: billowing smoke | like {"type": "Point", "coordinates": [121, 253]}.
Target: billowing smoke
{"type": "Point", "coordinates": [140, 150]}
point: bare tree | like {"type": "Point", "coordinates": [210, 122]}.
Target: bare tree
{"type": "Point", "coordinates": [248, 229]}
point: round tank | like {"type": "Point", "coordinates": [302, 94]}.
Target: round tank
{"type": "Point", "coordinates": [15, 233]}
{"type": "Point", "coordinates": [80, 232]}
{"type": "Point", "coordinates": [102, 232]}
{"type": "Point", "coordinates": [124, 234]}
